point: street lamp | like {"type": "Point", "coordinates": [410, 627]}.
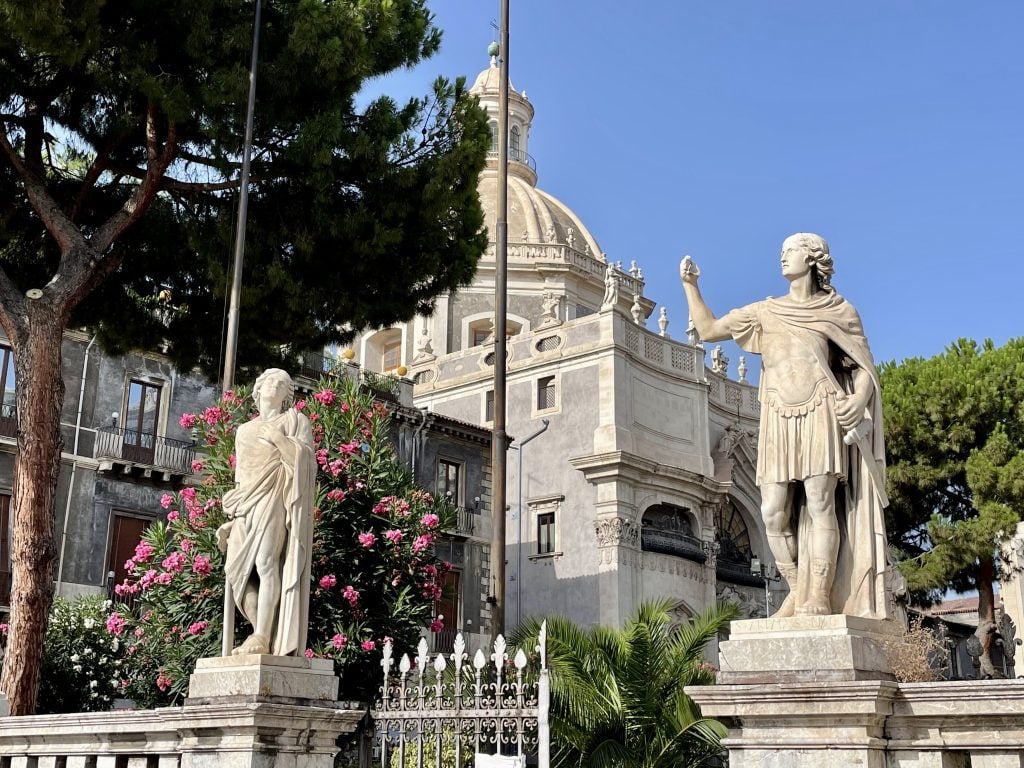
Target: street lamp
{"type": "Point", "coordinates": [767, 573]}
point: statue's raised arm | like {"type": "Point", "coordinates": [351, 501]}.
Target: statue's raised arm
{"type": "Point", "coordinates": [708, 326]}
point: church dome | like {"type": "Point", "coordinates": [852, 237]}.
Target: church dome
{"type": "Point", "coordinates": [534, 216]}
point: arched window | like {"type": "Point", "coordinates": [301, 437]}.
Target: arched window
{"type": "Point", "coordinates": [514, 142]}
{"type": "Point", "coordinates": [668, 529]}
{"type": "Point", "coordinates": [732, 534]}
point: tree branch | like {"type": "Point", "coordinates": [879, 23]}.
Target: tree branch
{"type": "Point", "coordinates": [13, 315]}
{"type": "Point", "coordinates": [60, 227]}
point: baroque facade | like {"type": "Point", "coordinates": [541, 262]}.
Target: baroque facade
{"type": "Point", "coordinates": [642, 483]}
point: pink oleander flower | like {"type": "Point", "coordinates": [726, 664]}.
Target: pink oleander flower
{"type": "Point", "coordinates": [402, 507]}
{"type": "Point", "coordinates": [324, 396]}
{"type": "Point", "coordinates": [187, 420]}
{"type": "Point", "coordinates": [166, 500]}
{"type": "Point", "coordinates": [344, 407]}
{"type": "Point", "coordinates": [321, 457]}
{"type": "Point", "coordinates": [186, 545]}
{"type": "Point", "coordinates": [421, 543]}
{"type": "Point", "coordinates": [347, 449]}
{"type": "Point", "coordinates": [173, 515]}
{"type": "Point", "coordinates": [430, 520]}
{"type": "Point", "coordinates": [300, 405]}
{"type": "Point", "coordinates": [328, 581]}
{"type": "Point", "coordinates": [336, 467]}
{"type": "Point", "coordinates": [351, 594]}
{"type": "Point", "coordinates": [115, 623]}
{"type": "Point", "coordinates": [198, 627]}
{"type": "Point", "coordinates": [368, 645]}
{"type": "Point", "coordinates": [394, 535]}
{"type": "Point", "coordinates": [201, 564]}
{"type": "Point", "coordinates": [437, 624]}
{"type": "Point", "coordinates": [188, 494]}
{"type": "Point", "coordinates": [174, 562]}
{"type": "Point", "coordinates": [337, 494]}
{"type": "Point", "coordinates": [309, 653]}
{"type": "Point", "coordinates": [198, 466]}
{"type": "Point", "coordinates": [383, 506]}
{"type": "Point", "coordinates": [339, 641]}
{"type": "Point", "coordinates": [214, 415]}
{"type": "Point", "coordinates": [164, 578]}
{"type": "Point", "coordinates": [232, 460]}
{"type": "Point", "coordinates": [143, 551]}
{"type": "Point", "coordinates": [367, 539]}
{"type": "Point", "coordinates": [163, 681]}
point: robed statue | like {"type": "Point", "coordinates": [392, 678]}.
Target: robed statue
{"type": "Point", "coordinates": [268, 536]}
{"type": "Point", "coordinates": [820, 457]}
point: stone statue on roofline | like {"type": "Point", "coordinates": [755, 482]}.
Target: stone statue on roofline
{"type": "Point", "coordinates": [820, 463]}
{"type": "Point", "coordinates": [268, 536]}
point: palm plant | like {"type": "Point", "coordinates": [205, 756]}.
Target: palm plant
{"type": "Point", "coordinates": [617, 698]}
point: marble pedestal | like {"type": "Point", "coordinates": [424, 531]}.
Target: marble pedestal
{"type": "Point", "coordinates": [807, 649]}
{"type": "Point", "coordinates": [283, 679]}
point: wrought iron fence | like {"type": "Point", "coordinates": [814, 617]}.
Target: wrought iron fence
{"type": "Point", "coordinates": [134, 447]}
{"type": "Point", "coordinates": [448, 706]}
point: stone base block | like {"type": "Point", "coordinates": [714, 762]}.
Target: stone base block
{"type": "Point", "coordinates": [807, 649]}
{"type": "Point", "coordinates": [266, 678]}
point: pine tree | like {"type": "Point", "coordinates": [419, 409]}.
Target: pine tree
{"type": "Point", "coordinates": [119, 165]}
{"type": "Point", "coordinates": [954, 429]}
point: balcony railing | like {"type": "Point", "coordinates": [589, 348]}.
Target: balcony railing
{"type": "Point", "coordinates": [518, 156]}
{"type": "Point", "coordinates": [8, 420]}
{"type": "Point", "coordinates": [443, 641]}
{"type": "Point", "coordinates": [313, 365]}
{"type": "Point", "coordinates": [737, 572]}
{"type": "Point", "coordinates": [674, 543]}
{"type": "Point", "coordinates": [462, 521]}
{"type": "Point", "coordinates": [134, 448]}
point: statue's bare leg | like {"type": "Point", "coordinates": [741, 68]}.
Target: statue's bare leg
{"type": "Point", "coordinates": [776, 502]}
{"type": "Point", "coordinates": [824, 543]}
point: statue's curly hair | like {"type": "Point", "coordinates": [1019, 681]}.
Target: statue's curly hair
{"type": "Point", "coordinates": [271, 373]}
{"type": "Point", "coordinates": [821, 261]}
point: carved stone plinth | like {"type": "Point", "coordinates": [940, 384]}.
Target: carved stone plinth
{"type": "Point", "coordinates": [283, 679]}
{"type": "Point", "coordinates": [807, 649]}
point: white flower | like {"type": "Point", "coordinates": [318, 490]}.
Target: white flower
{"type": "Point", "coordinates": [92, 683]}
{"type": "Point", "coordinates": [94, 695]}
{"type": "Point", "coordinates": [115, 644]}
{"type": "Point", "coordinates": [104, 659]}
{"type": "Point", "coordinates": [107, 604]}
{"type": "Point", "coordinates": [74, 657]}
{"type": "Point", "coordinates": [87, 652]}
{"type": "Point", "coordinates": [90, 623]}
{"type": "Point", "coordinates": [77, 667]}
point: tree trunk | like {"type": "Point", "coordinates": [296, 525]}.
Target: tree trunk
{"type": "Point", "coordinates": [986, 631]}
{"type": "Point", "coordinates": [40, 395]}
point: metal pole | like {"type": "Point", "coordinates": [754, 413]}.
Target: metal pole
{"type": "Point", "coordinates": [519, 536]}
{"type": "Point", "coordinates": [231, 349]}
{"type": "Point", "coordinates": [499, 447]}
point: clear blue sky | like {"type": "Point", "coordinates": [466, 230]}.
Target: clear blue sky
{"type": "Point", "coordinates": [893, 128]}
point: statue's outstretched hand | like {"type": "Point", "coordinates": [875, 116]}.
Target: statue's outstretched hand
{"type": "Point", "coordinates": [688, 271]}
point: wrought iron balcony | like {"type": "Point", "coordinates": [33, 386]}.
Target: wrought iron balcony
{"type": "Point", "coordinates": [518, 156]}
{"type": "Point", "coordinates": [668, 542]}
{"type": "Point", "coordinates": [8, 420]}
{"type": "Point", "coordinates": [443, 641]}
{"type": "Point", "coordinates": [313, 365]}
{"type": "Point", "coordinates": [131, 448]}
{"type": "Point", "coordinates": [737, 571]}
{"type": "Point", "coordinates": [462, 522]}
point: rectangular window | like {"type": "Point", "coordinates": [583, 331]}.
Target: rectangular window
{"type": "Point", "coordinates": [545, 533]}
{"type": "Point", "coordinates": [391, 357]}
{"type": "Point", "coordinates": [142, 413]}
{"type": "Point", "coordinates": [8, 415]}
{"type": "Point", "coordinates": [125, 534]}
{"type": "Point", "coordinates": [545, 393]}
{"type": "Point", "coordinates": [5, 549]}
{"type": "Point", "coordinates": [448, 605]}
{"type": "Point", "coordinates": [449, 481]}
{"type": "Point", "coordinates": [489, 405]}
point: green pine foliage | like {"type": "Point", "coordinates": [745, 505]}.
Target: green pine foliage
{"type": "Point", "coordinates": [374, 571]}
{"type": "Point", "coordinates": [361, 208]}
{"type": "Point", "coordinates": [954, 428]}
{"type": "Point", "coordinates": [617, 698]}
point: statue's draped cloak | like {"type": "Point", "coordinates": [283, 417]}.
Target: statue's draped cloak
{"type": "Point", "coordinates": [276, 490]}
{"type": "Point", "coordinates": [859, 584]}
